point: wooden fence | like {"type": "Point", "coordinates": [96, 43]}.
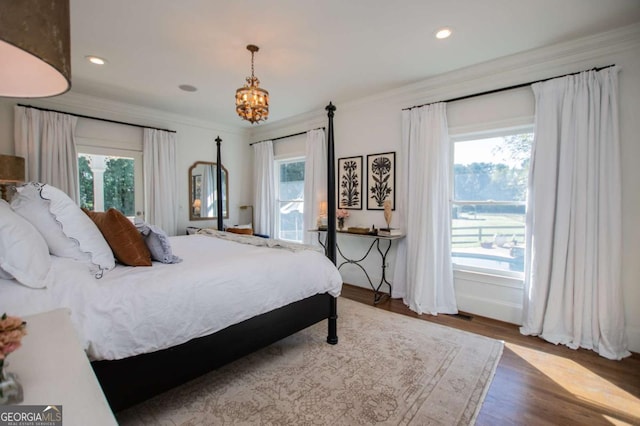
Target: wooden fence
{"type": "Point", "coordinates": [486, 233]}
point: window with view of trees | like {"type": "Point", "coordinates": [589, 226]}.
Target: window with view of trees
{"type": "Point", "coordinates": [290, 199]}
{"type": "Point", "coordinates": [86, 182]}
{"type": "Point", "coordinates": [488, 208]}
{"type": "Point", "coordinates": [107, 181]}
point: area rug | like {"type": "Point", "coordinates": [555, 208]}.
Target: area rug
{"type": "Point", "coordinates": [387, 369]}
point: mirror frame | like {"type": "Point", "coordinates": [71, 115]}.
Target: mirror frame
{"type": "Point", "coordinates": [225, 190]}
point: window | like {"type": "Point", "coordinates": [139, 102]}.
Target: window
{"type": "Point", "coordinates": [111, 181]}
{"type": "Point", "coordinates": [290, 199]}
{"type": "Point", "coordinates": [488, 204]}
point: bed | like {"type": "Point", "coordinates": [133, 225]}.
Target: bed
{"type": "Point", "coordinates": [301, 290]}
{"type": "Point", "coordinates": [133, 316]}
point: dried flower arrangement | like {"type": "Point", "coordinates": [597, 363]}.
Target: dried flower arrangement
{"type": "Point", "coordinates": [12, 329]}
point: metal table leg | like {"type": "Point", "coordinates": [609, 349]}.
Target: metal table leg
{"type": "Point", "coordinates": [378, 295]}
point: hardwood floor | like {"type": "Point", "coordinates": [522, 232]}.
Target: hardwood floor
{"type": "Point", "coordinates": [538, 383]}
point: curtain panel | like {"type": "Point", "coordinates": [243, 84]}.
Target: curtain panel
{"type": "Point", "coordinates": [264, 184]}
{"type": "Point", "coordinates": [208, 207]}
{"type": "Point", "coordinates": [315, 181]}
{"type": "Point", "coordinates": [46, 141]}
{"type": "Point", "coordinates": [423, 274]}
{"type": "Point", "coordinates": [160, 179]}
{"type": "Point", "coordinates": [573, 288]}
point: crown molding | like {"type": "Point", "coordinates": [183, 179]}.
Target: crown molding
{"type": "Point", "coordinates": [518, 68]}
{"type": "Point", "coordinates": [80, 103]}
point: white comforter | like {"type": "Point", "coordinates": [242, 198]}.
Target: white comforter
{"type": "Point", "coordinates": [136, 310]}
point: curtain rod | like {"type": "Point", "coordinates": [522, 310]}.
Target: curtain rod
{"type": "Point", "coordinates": [97, 118]}
{"type": "Point", "coordinates": [517, 86]}
{"type": "Point", "coordinates": [287, 136]}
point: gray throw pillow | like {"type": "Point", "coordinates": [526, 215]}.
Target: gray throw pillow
{"type": "Point", "coordinates": [157, 242]}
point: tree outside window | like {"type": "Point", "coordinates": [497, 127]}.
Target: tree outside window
{"type": "Point", "coordinates": [117, 184]}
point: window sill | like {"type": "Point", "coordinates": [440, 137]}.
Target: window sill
{"type": "Point", "coordinates": [485, 277]}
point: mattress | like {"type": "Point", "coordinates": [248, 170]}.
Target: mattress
{"type": "Point", "coordinates": [134, 310]}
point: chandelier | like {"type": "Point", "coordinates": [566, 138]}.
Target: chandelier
{"type": "Point", "coordinates": [252, 102]}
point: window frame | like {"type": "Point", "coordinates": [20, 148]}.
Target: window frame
{"type": "Point", "coordinates": [466, 137]}
{"type": "Point", "coordinates": [277, 163]}
{"type": "Point", "coordinates": [137, 167]}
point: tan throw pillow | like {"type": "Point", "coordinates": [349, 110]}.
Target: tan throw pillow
{"type": "Point", "coordinates": [124, 239]}
{"type": "Point", "coordinates": [245, 231]}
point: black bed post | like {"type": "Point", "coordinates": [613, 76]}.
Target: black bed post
{"type": "Point", "coordinates": [219, 184]}
{"type": "Point", "coordinates": [332, 337]}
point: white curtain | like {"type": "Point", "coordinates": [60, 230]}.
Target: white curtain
{"type": "Point", "coordinates": [160, 179]}
{"type": "Point", "coordinates": [573, 288]}
{"type": "Point", "coordinates": [46, 141]}
{"type": "Point", "coordinates": [208, 204]}
{"type": "Point", "coordinates": [424, 273]}
{"type": "Point", "coordinates": [315, 181]}
{"type": "Point", "coordinates": [264, 184]}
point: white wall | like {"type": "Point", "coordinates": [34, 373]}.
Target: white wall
{"type": "Point", "coordinates": [373, 125]}
{"type": "Point", "coordinates": [195, 142]}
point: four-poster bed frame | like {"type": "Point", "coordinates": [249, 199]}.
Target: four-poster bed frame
{"type": "Point", "coordinates": [128, 381]}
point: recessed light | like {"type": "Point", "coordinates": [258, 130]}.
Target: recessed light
{"type": "Point", "coordinates": [188, 88]}
{"type": "Point", "coordinates": [443, 33]}
{"type": "Point", "coordinates": [96, 60]}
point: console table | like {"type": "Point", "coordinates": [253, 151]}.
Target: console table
{"type": "Point", "coordinates": [383, 251]}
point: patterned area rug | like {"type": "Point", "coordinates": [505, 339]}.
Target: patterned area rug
{"type": "Point", "coordinates": [387, 369]}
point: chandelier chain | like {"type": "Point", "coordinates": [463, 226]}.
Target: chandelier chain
{"type": "Point", "coordinates": [252, 74]}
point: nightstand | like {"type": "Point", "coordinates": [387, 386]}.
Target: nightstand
{"type": "Point", "coordinates": [54, 370]}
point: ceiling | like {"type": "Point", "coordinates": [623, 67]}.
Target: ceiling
{"type": "Point", "coordinates": [310, 51]}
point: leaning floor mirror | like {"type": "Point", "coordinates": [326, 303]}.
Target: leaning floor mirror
{"type": "Point", "coordinates": [202, 191]}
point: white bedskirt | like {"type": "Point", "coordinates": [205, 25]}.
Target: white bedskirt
{"type": "Point", "coordinates": [134, 310]}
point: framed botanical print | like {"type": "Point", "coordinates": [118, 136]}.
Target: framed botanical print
{"type": "Point", "coordinates": [350, 183]}
{"type": "Point", "coordinates": [381, 180]}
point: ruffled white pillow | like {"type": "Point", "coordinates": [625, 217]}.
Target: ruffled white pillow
{"type": "Point", "coordinates": [24, 254]}
{"type": "Point", "coordinates": [66, 229]}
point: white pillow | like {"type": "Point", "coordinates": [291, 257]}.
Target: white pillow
{"type": "Point", "coordinates": [24, 254]}
{"type": "Point", "coordinates": [68, 231]}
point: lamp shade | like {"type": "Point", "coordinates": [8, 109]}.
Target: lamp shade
{"type": "Point", "coordinates": [35, 48]}
{"type": "Point", "coordinates": [11, 169]}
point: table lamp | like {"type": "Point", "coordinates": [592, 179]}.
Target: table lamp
{"type": "Point", "coordinates": [11, 172]}
{"type": "Point", "coordinates": [248, 207]}
{"type": "Point", "coordinates": [196, 206]}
